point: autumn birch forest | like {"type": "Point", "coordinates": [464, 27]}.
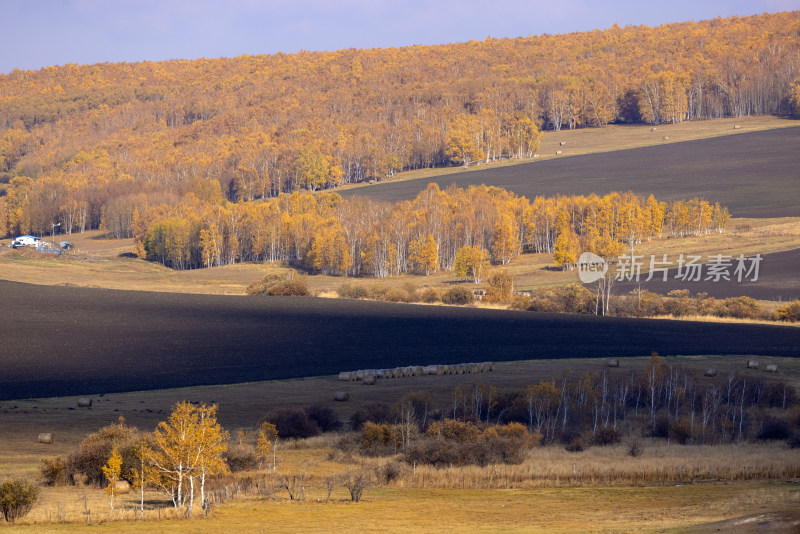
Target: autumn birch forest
{"type": "Point", "coordinates": [210, 162]}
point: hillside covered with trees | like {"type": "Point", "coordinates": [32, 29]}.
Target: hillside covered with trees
{"type": "Point", "coordinates": [87, 146]}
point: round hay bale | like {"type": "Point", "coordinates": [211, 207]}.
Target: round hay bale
{"type": "Point", "coordinates": [563, 143]}
{"type": "Point", "coordinates": [652, 129]}
{"type": "Point", "coordinates": [710, 372]}
{"type": "Point", "coordinates": [360, 374]}
{"type": "Point", "coordinates": [417, 370]}
{"type": "Point", "coordinates": [440, 369]}
{"type": "Point", "coordinates": [474, 368]}
{"type": "Point", "coordinates": [772, 368]}
{"type": "Point", "coordinates": [752, 364]}
{"type": "Point", "coordinates": [408, 371]}
{"type": "Point", "coordinates": [613, 362]}
{"type": "Point", "coordinates": [491, 366]}
{"type": "Point", "coordinates": [736, 126]}
{"type": "Point", "coordinates": [558, 152]}
{"type": "Point", "coordinates": [484, 367]}
{"type": "Point", "coordinates": [47, 438]}
{"type": "Point", "coordinates": [666, 138]}
{"type": "Point", "coordinates": [461, 369]}
{"type": "Point", "coordinates": [341, 396]}
{"type": "Point", "coordinates": [369, 380]}
{"type": "Point", "coordinates": [84, 402]}
{"type": "Point", "coordinates": [397, 372]}
{"type": "Point", "coordinates": [121, 487]}
{"type": "Point", "coordinates": [346, 376]}
{"type": "Point", "coordinates": [430, 369]}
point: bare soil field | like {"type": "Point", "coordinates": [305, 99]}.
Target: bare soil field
{"type": "Point", "coordinates": [754, 174]}
{"type": "Point", "coordinates": [69, 341]}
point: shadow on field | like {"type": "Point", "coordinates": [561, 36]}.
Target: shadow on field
{"type": "Point", "coordinates": [67, 340]}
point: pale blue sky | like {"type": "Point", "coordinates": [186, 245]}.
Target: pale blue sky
{"type": "Point", "coordinates": [37, 33]}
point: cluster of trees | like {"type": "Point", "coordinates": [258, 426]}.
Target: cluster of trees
{"type": "Point", "coordinates": [452, 230]}
{"type": "Point", "coordinates": [178, 458]}
{"type": "Point", "coordinates": [576, 298]}
{"type": "Point", "coordinates": [79, 144]}
{"type": "Point", "coordinates": [662, 400]}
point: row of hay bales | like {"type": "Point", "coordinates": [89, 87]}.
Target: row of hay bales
{"type": "Point", "coordinates": [371, 375]}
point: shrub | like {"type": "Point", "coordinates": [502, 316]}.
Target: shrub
{"type": "Point", "coordinates": [323, 417]}
{"type": "Point", "coordinates": [296, 287]}
{"type": "Point", "coordinates": [273, 285]}
{"type": "Point", "coordinates": [241, 457]}
{"type": "Point", "coordinates": [790, 312]}
{"type": "Point", "coordinates": [605, 435]}
{"type": "Point", "coordinates": [775, 429]}
{"type": "Point", "coordinates": [430, 295]}
{"type": "Point", "coordinates": [394, 294]}
{"type": "Point", "coordinates": [376, 413]}
{"type": "Point", "coordinates": [54, 471]}
{"type": "Point", "coordinates": [349, 291]}
{"type": "Point", "coordinates": [634, 449]}
{"type": "Point", "coordinates": [95, 450]}
{"type": "Point", "coordinates": [17, 497]}
{"type": "Point", "coordinates": [680, 431]}
{"type": "Point", "coordinates": [740, 308]}
{"type": "Point", "coordinates": [292, 423]}
{"type": "Point", "coordinates": [458, 296]}
{"type": "Point", "coordinates": [501, 287]}
{"type": "Point", "coordinates": [453, 430]}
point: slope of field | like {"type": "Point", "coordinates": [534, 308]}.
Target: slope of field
{"type": "Point", "coordinates": [65, 340]}
{"type": "Point", "coordinates": [753, 174]}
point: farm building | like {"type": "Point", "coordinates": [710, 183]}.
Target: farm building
{"type": "Point", "coordinates": [26, 241]}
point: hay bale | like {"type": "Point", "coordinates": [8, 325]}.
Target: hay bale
{"type": "Point", "coordinates": [666, 138]}
{"type": "Point", "coordinates": [369, 380]}
{"type": "Point", "coordinates": [397, 372]}
{"type": "Point", "coordinates": [752, 364]}
{"type": "Point", "coordinates": [710, 371]}
{"type": "Point", "coordinates": [341, 396]}
{"type": "Point", "coordinates": [122, 487]}
{"type": "Point", "coordinates": [461, 369]}
{"type": "Point", "coordinates": [536, 155]}
{"type": "Point", "coordinates": [613, 362]}
{"type": "Point", "coordinates": [563, 143]}
{"type": "Point", "coordinates": [558, 152]}
{"type": "Point", "coordinates": [485, 367]}
{"type": "Point", "coordinates": [360, 374]}
{"type": "Point", "coordinates": [440, 369]}
{"type": "Point", "coordinates": [652, 129]}
{"type": "Point", "coordinates": [417, 370]}
{"type": "Point", "coordinates": [736, 126]}
{"type": "Point", "coordinates": [474, 368]}
{"type": "Point", "coordinates": [431, 370]}
{"type": "Point", "coordinates": [408, 371]}
{"type": "Point", "coordinates": [84, 402]}
{"type": "Point", "coordinates": [347, 376]}
{"type": "Point", "coordinates": [772, 368]}
{"type": "Point", "coordinates": [491, 366]}
{"type": "Point", "coordinates": [47, 438]}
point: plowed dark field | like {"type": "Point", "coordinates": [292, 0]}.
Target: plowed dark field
{"type": "Point", "coordinates": [778, 279]}
{"type": "Point", "coordinates": [753, 174]}
{"type": "Point", "coordinates": [68, 341]}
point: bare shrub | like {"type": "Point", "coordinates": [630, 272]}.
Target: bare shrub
{"type": "Point", "coordinates": [241, 457]}
{"type": "Point", "coordinates": [292, 423]}
{"type": "Point", "coordinates": [606, 435]}
{"type": "Point", "coordinates": [324, 417]}
{"type": "Point", "coordinates": [635, 449]}
{"type": "Point", "coordinates": [355, 482]}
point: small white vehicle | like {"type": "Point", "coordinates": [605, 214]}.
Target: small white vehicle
{"type": "Point", "coordinates": [26, 241]}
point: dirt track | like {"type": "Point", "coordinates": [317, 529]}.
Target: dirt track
{"type": "Point", "coordinates": [753, 174]}
{"type": "Point", "coordinates": [69, 341]}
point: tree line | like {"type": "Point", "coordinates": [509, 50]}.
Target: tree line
{"type": "Point", "coordinates": [460, 230]}
{"type": "Point", "coordinates": [79, 143]}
